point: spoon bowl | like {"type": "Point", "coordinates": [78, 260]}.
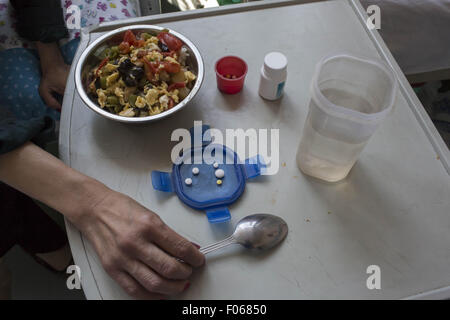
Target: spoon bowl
{"type": "Point", "coordinates": [260, 232]}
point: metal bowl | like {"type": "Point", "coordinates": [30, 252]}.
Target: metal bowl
{"type": "Point", "coordinates": [89, 60]}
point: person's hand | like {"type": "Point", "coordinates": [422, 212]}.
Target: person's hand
{"type": "Point", "coordinates": [137, 249]}
{"type": "Point", "coordinates": [146, 257]}
{"type": "Point", "coordinates": [53, 80]}
{"type": "Point", "coordinates": [54, 73]}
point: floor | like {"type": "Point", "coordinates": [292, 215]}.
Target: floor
{"type": "Point", "coordinates": [435, 97]}
{"type": "Point", "coordinates": [31, 281]}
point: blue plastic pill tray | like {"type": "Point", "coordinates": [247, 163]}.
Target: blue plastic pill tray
{"type": "Point", "coordinates": [204, 193]}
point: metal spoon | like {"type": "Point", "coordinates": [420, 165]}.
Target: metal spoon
{"type": "Point", "coordinates": [257, 231]}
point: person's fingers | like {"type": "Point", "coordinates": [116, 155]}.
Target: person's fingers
{"type": "Point", "coordinates": [134, 289]}
{"type": "Point", "coordinates": [177, 246]}
{"type": "Point", "coordinates": [60, 86]}
{"type": "Point", "coordinates": [153, 282]}
{"type": "Point", "coordinates": [165, 265]}
{"type": "Point", "coordinates": [59, 89]}
{"type": "Point", "coordinates": [50, 101]}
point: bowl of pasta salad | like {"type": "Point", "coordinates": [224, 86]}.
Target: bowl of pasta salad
{"type": "Point", "coordinates": [139, 73]}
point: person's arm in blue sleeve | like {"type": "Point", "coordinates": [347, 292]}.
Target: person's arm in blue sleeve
{"type": "Point", "coordinates": [15, 132]}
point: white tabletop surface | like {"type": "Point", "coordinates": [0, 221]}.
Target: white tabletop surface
{"type": "Point", "coordinates": [393, 210]}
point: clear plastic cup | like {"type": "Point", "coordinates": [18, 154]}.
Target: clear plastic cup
{"type": "Point", "coordinates": [230, 74]}
{"type": "Point", "coordinates": [350, 97]}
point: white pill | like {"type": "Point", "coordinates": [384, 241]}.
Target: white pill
{"type": "Point", "coordinates": [215, 165]}
{"type": "Point", "coordinates": [220, 173]}
{"type": "Point", "coordinates": [195, 170]}
{"type": "Point", "coordinates": [188, 181]}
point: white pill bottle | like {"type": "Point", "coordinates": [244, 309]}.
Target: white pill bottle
{"type": "Point", "coordinates": [273, 76]}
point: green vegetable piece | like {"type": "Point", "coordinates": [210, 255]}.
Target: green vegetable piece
{"type": "Point", "coordinates": [103, 83]}
{"type": "Point", "coordinates": [178, 77]}
{"type": "Point", "coordinates": [183, 93]}
{"type": "Point", "coordinates": [117, 109]}
{"type": "Point", "coordinates": [132, 99]}
{"type": "Point", "coordinates": [145, 35]}
{"type": "Point", "coordinates": [112, 100]}
{"type": "Point", "coordinates": [114, 52]}
{"type": "Point", "coordinates": [105, 53]}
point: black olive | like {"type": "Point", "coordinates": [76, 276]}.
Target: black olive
{"type": "Point", "coordinates": [130, 73]}
{"type": "Point", "coordinates": [163, 47]}
{"type": "Point", "coordinates": [125, 66]}
{"type": "Point", "coordinates": [137, 72]}
{"type": "Point", "coordinates": [130, 81]}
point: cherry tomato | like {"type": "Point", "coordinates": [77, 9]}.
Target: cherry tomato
{"type": "Point", "coordinates": [124, 47]}
{"type": "Point", "coordinates": [171, 103]}
{"type": "Point", "coordinates": [176, 85]}
{"type": "Point", "coordinates": [152, 66]}
{"type": "Point", "coordinates": [129, 37]}
{"type": "Point", "coordinates": [148, 72]}
{"type": "Point", "coordinates": [141, 53]}
{"type": "Point", "coordinates": [172, 42]}
{"type": "Point", "coordinates": [139, 43]}
{"type": "Point", "coordinates": [170, 54]}
{"type": "Point", "coordinates": [171, 67]}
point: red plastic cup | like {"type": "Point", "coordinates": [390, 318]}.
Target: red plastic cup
{"type": "Point", "coordinates": [230, 74]}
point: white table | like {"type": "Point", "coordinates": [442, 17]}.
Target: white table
{"type": "Point", "coordinates": [392, 211]}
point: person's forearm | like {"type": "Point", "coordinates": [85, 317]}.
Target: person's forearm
{"type": "Point", "coordinates": [49, 55]}
{"type": "Point", "coordinates": [145, 256]}
{"type": "Point", "coordinates": [47, 179]}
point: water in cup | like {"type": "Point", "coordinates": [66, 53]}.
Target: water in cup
{"type": "Point", "coordinates": [329, 157]}
{"type": "Point", "coordinates": [350, 98]}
